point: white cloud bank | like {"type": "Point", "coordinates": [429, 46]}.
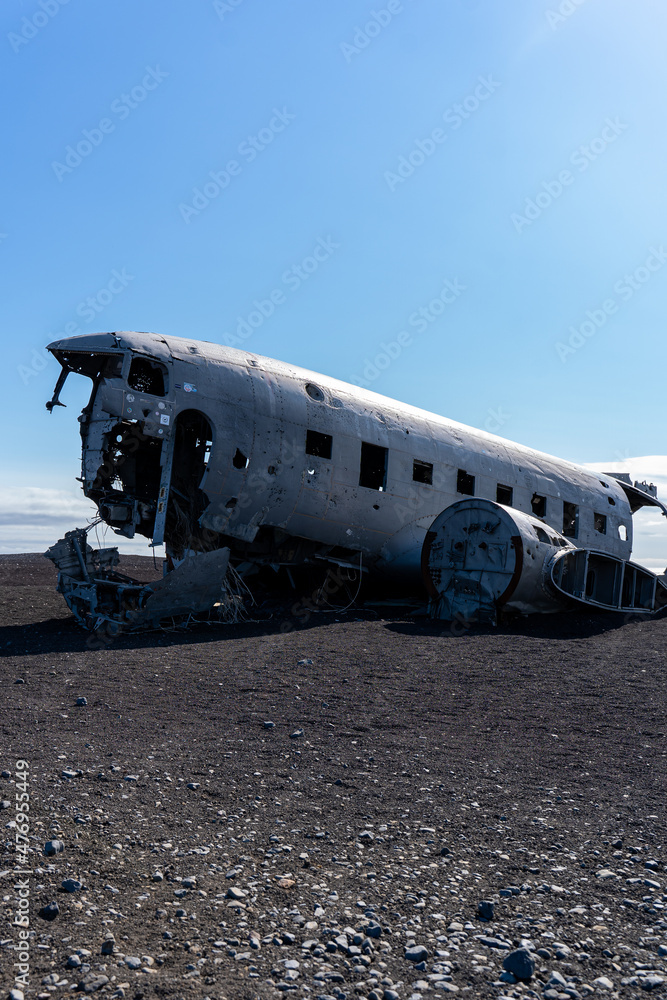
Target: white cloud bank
{"type": "Point", "coordinates": [32, 518]}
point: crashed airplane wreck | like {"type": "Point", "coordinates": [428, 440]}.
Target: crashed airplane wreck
{"type": "Point", "coordinates": [235, 461]}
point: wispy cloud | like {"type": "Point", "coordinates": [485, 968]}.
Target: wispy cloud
{"type": "Point", "coordinates": [32, 518]}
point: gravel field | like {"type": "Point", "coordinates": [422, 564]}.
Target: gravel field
{"type": "Point", "coordinates": [356, 806]}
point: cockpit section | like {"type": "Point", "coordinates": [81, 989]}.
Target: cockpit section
{"type": "Point", "coordinates": [143, 463]}
{"type": "Point", "coordinates": [124, 428]}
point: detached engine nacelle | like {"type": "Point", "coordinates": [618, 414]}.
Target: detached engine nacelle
{"type": "Point", "coordinates": [480, 557]}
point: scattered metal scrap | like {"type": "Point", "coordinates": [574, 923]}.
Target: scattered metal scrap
{"type": "Point", "coordinates": [102, 598]}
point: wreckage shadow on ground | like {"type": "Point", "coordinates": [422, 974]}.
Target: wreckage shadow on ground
{"type": "Point", "coordinates": [65, 635]}
{"type": "Point", "coordinates": [564, 626]}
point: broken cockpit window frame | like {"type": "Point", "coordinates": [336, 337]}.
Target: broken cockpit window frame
{"type": "Point", "coordinates": [96, 366]}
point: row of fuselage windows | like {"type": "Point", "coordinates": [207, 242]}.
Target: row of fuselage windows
{"type": "Point", "coordinates": [373, 476]}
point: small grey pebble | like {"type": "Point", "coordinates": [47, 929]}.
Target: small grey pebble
{"type": "Point", "coordinates": [235, 893]}
{"type": "Point", "coordinates": [108, 946]}
{"type": "Point", "coordinates": [52, 847]}
{"type": "Point", "coordinates": [81, 702]}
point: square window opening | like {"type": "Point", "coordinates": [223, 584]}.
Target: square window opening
{"type": "Point", "coordinates": [318, 444]}
{"type": "Point", "coordinates": [373, 468]}
{"type": "Point", "coordinates": [465, 483]}
{"type": "Point", "coordinates": [538, 505]}
{"type": "Point", "coordinates": [570, 520]}
{"type": "Point", "coordinates": [422, 472]}
{"type": "Point", "coordinates": [504, 495]}
{"type": "Point", "coordinates": [600, 523]}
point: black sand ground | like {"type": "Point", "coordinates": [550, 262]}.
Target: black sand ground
{"type": "Point", "coordinates": [409, 773]}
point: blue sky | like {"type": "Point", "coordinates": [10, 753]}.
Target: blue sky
{"type": "Point", "coordinates": [487, 179]}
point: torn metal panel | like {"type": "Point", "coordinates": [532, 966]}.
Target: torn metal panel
{"type": "Point", "coordinates": [99, 596]}
{"type": "Point", "coordinates": [639, 494]}
{"type": "Point", "coordinates": [88, 579]}
{"type": "Point", "coordinates": [196, 586]}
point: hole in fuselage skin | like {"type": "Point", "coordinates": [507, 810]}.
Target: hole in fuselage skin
{"type": "Point", "coordinates": [232, 502]}
{"type": "Point", "coordinates": [240, 461]}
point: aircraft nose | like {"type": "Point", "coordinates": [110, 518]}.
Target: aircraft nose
{"type": "Point", "coordinates": [86, 342]}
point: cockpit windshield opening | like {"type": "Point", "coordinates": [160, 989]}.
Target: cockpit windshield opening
{"type": "Point", "coordinates": [147, 376]}
{"type": "Point", "coordinates": [95, 365]}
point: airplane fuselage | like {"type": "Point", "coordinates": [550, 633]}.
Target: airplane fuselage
{"type": "Point", "coordinates": [203, 446]}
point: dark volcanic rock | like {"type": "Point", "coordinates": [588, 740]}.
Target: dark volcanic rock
{"type": "Point", "coordinates": [520, 963]}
